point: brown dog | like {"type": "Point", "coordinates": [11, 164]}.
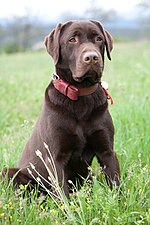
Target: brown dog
{"type": "Point", "coordinates": [75, 122]}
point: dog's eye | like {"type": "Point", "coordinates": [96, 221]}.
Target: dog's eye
{"type": "Point", "coordinates": [72, 40]}
{"type": "Point", "coordinates": [99, 39]}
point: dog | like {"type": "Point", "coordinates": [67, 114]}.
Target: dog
{"type": "Point", "coordinates": [75, 122]}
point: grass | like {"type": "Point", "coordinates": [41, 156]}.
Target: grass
{"type": "Point", "coordinates": [128, 77]}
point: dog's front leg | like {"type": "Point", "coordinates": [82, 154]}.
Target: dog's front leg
{"type": "Point", "coordinates": [110, 166]}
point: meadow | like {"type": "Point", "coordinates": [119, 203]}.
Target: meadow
{"type": "Point", "coordinates": [23, 79]}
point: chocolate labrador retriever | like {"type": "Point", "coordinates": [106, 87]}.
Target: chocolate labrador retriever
{"type": "Point", "coordinates": [75, 122]}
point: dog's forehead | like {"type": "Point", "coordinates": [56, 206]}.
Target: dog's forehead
{"type": "Point", "coordinates": [82, 26]}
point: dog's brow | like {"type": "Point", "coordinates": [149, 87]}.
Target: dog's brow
{"type": "Point", "coordinates": [95, 32]}
{"type": "Point", "coordinates": [76, 32]}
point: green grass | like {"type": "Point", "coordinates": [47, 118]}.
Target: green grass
{"type": "Point", "coordinates": [23, 79]}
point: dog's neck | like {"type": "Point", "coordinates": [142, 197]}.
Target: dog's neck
{"type": "Point", "coordinates": [71, 91]}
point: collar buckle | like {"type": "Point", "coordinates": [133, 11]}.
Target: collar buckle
{"type": "Point", "coordinates": [55, 77]}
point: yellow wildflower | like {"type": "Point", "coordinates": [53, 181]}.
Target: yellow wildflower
{"type": "Point", "coordinates": [10, 217]}
{"type": "Point", "coordinates": [54, 212]}
{"type": "Point", "coordinates": [89, 168]}
{"type": "Point", "coordinates": [62, 207]}
{"type": "Point", "coordinates": [145, 169]}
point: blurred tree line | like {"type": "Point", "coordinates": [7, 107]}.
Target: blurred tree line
{"type": "Point", "coordinates": [21, 33]}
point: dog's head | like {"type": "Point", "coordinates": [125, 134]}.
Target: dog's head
{"type": "Point", "coordinates": [78, 50]}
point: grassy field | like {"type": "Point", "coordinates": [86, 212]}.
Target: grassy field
{"type": "Point", "coordinates": [23, 78]}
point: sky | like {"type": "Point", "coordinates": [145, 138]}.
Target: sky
{"type": "Point", "coordinates": [52, 9]}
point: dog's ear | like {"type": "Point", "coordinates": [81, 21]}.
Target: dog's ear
{"type": "Point", "coordinates": [52, 43]}
{"type": "Point", "coordinates": [109, 43]}
{"type": "Point", "coordinates": [108, 38]}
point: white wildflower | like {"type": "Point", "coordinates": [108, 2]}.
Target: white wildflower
{"type": "Point", "coordinates": [38, 179]}
{"type": "Point", "coordinates": [46, 146]}
{"type": "Point", "coordinates": [32, 166]}
{"type": "Point", "coordinates": [70, 182]}
{"type": "Point", "coordinates": [29, 171]}
{"type": "Point", "coordinates": [38, 153]}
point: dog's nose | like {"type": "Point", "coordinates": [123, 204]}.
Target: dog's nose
{"type": "Point", "coordinates": [91, 57]}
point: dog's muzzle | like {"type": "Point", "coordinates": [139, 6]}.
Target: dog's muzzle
{"type": "Point", "coordinates": [92, 77]}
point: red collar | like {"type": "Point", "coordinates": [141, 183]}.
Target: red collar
{"type": "Point", "coordinates": [73, 92]}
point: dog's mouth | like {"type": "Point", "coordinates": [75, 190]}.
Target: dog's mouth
{"type": "Point", "coordinates": [91, 77]}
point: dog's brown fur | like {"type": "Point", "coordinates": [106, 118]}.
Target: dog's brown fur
{"type": "Point", "coordinates": [75, 131]}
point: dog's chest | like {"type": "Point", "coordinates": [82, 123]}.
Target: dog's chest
{"type": "Point", "coordinates": [83, 130]}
